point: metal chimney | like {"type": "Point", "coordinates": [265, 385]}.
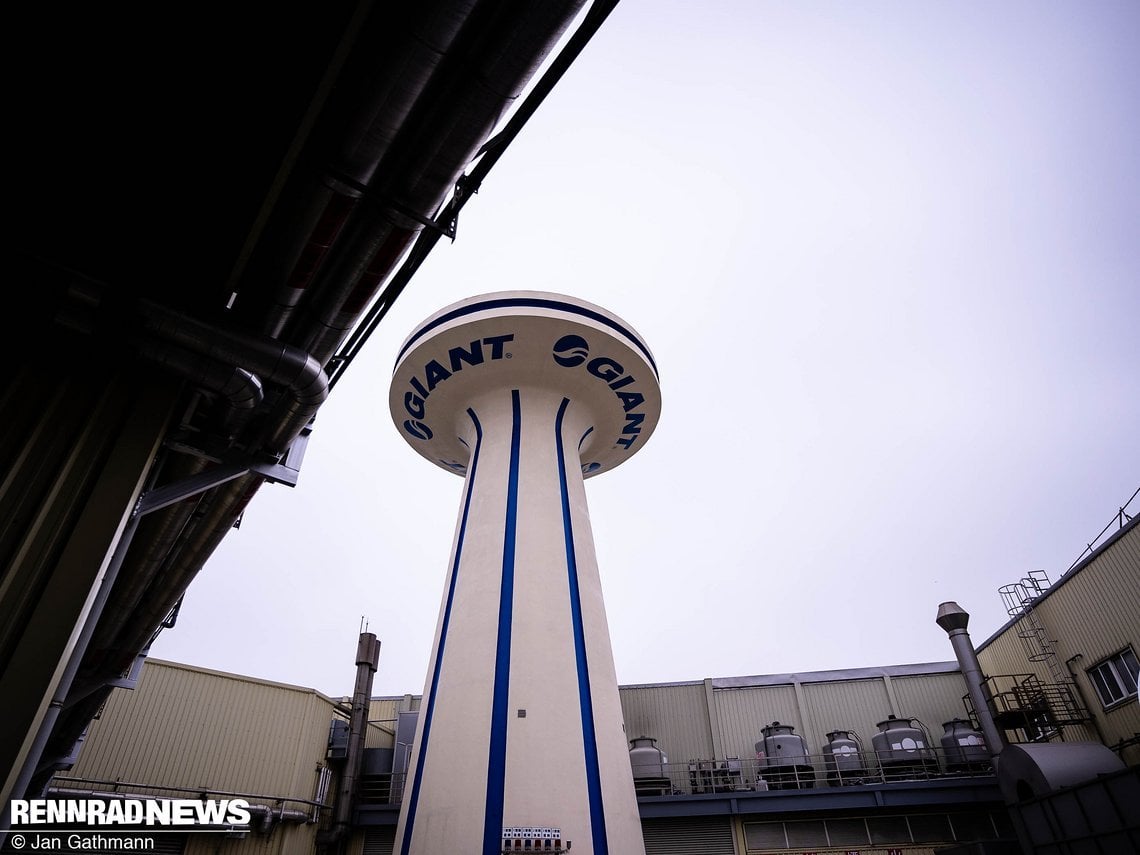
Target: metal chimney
{"type": "Point", "coordinates": [953, 618]}
{"type": "Point", "coordinates": [367, 659]}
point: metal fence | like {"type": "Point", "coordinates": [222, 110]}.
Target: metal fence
{"type": "Point", "coordinates": [807, 771]}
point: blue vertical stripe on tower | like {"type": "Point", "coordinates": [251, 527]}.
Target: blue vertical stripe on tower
{"type": "Point", "coordinates": [497, 753]}
{"type": "Point", "coordinates": [414, 797]}
{"type": "Point", "coordinates": [589, 735]}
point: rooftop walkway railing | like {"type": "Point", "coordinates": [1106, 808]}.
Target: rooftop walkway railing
{"type": "Point", "coordinates": [809, 771]}
{"type": "Point", "coordinates": [797, 772]}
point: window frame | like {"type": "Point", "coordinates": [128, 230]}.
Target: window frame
{"type": "Point", "coordinates": [1122, 673]}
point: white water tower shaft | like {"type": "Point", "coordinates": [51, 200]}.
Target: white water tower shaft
{"type": "Point", "coordinates": [524, 394]}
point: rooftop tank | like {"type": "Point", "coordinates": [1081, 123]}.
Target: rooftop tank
{"type": "Point", "coordinates": [843, 758]}
{"type": "Point", "coordinates": [783, 758]}
{"type": "Point", "coordinates": [964, 746]}
{"type": "Point", "coordinates": [650, 777]}
{"type": "Point", "coordinates": [903, 749]}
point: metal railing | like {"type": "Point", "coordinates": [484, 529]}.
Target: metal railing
{"type": "Point", "coordinates": [812, 771]}
{"type": "Point", "coordinates": [1119, 521]}
{"type": "Point", "coordinates": [1030, 708]}
{"type": "Point", "coordinates": [807, 771]}
{"type": "Point", "coordinates": [383, 789]}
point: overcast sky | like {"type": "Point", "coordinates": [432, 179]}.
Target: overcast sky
{"type": "Point", "coordinates": [887, 257]}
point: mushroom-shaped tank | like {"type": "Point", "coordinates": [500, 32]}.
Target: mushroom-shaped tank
{"type": "Point", "coordinates": [534, 342]}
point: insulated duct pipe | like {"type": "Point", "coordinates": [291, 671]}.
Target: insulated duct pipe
{"type": "Point", "coordinates": [394, 75]}
{"type": "Point", "coordinates": [270, 360]}
{"type": "Point", "coordinates": [229, 362]}
{"type": "Point", "coordinates": [468, 184]}
{"type": "Point", "coordinates": [367, 658]}
{"type": "Point", "coordinates": [484, 69]}
{"type": "Point", "coordinates": [953, 618]}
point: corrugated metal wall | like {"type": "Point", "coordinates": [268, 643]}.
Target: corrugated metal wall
{"type": "Point", "coordinates": [676, 715]}
{"type": "Point", "coordinates": [687, 719]}
{"type": "Point", "coordinates": [932, 699]}
{"type": "Point", "coordinates": [845, 705]}
{"type": "Point", "coordinates": [1094, 613]}
{"type": "Point", "coordinates": [382, 721]}
{"type": "Point", "coordinates": [743, 712]}
{"type": "Point", "coordinates": [186, 727]}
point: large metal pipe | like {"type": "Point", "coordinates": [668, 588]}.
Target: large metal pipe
{"type": "Point", "coordinates": [367, 658]}
{"type": "Point", "coordinates": [953, 618]}
{"type": "Point", "coordinates": [485, 68]}
{"type": "Point", "coordinates": [272, 361]}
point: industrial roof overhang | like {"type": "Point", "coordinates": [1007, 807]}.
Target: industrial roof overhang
{"type": "Point", "coordinates": [235, 196]}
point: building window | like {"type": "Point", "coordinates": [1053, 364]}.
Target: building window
{"type": "Point", "coordinates": [1115, 678]}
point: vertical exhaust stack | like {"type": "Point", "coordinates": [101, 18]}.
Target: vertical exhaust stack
{"type": "Point", "coordinates": [367, 660]}
{"type": "Point", "coordinates": [953, 618]}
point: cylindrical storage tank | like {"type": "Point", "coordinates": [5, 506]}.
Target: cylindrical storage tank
{"type": "Point", "coordinates": [650, 777]}
{"type": "Point", "coordinates": [783, 758]}
{"type": "Point", "coordinates": [964, 746]}
{"type": "Point", "coordinates": [903, 749]}
{"type": "Point", "coordinates": [843, 758]}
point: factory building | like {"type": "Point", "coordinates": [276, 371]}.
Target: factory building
{"type": "Point", "coordinates": [878, 760]}
{"type": "Point", "coordinates": [172, 352]}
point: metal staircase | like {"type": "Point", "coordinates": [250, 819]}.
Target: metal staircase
{"type": "Point", "coordinates": [1023, 702]}
{"type": "Point", "coordinates": [1019, 599]}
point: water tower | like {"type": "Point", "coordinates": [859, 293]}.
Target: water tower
{"type": "Point", "coordinates": [520, 742]}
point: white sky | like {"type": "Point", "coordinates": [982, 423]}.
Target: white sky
{"type": "Point", "coordinates": [887, 256]}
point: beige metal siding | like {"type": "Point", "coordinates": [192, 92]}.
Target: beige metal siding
{"type": "Point", "coordinates": [1093, 614]}
{"type": "Point", "coordinates": [382, 722]}
{"type": "Point", "coordinates": [933, 699]}
{"type": "Point", "coordinates": [185, 727]}
{"type": "Point", "coordinates": [1006, 655]}
{"type": "Point", "coordinates": [677, 716]}
{"type": "Point", "coordinates": [743, 712]}
{"type": "Point", "coordinates": [845, 705]}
